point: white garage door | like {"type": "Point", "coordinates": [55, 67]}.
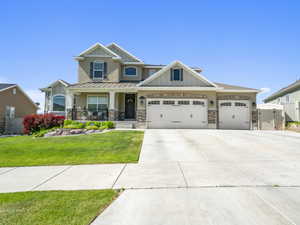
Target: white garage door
{"type": "Point", "coordinates": [177, 113]}
{"type": "Point", "coordinates": [234, 115]}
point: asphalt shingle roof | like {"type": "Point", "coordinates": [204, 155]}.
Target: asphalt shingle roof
{"type": "Point", "coordinates": [104, 85]}
{"type": "Point", "coordinates": [4, 86]}
{"type": "Point", "coordinates": [284, 90]}
{"type": "Point", "coordinates": [234, 87]}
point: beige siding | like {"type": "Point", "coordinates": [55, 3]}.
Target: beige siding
{"type": "Point", "coordinates": [113, 69]}
{"type": "Point", "coordinates": [145, 74]}
{"type": "Point", "coordinates": [188, 80]}
{"type": "Point", "coordinates": [100, 51]}
{"type": "Point", "coordinates": [125, 57]}
{"type": "Point", "coordinates": [22, 104]}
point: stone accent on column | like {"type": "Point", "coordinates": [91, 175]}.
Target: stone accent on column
{"type": "Point", "coordinates": [112, 114]}
{"type": "Point", "coordinates": [212, 116]}
{"type": "Point", "coordinates": [141, 115]}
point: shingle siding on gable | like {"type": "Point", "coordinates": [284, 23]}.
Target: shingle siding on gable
{"type": "Point", "coordinates": [100, 51]}
{"type": "Point", "coordinates": [189, 80]}
{"type": "Point", "coordinates": [125, 57]}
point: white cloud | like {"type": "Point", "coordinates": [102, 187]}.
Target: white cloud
{"type": "Point", "coordinates": [37, 96]}
{"type": "Point", "coordinates": [265, 90]}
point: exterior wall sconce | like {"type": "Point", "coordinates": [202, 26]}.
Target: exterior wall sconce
{"type": "Point", "coordinates": [142, 100]}
{"type": "Point", "coordinates": [211, 102]}
{"type": "Point", "coordinates": [254, 104]}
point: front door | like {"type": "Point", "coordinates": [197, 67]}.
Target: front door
{"type": "Point", "coordinates": [129, 106]}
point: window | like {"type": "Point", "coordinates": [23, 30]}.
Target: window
{"type": "Point", "coordinates": [240, 104]}
{"type": "Point", "coordinates": [10, 112]}
{"type": "Point", "coordinates": [154, 102]}
{"type": "Point", "coordinates": [97, 103]}
{"type": "Point", "coordinates": [176, 74]}
{"type": "Point", "coordinates": [183, 102]}
{"type": "Point", "coordinates": [168, 102]}
{"type": "Point", "coordinates": [287, 98]}
{"type": "Point", "coordinates": [14, 91]}
{"type": "Point", "coordinates": [58, 103]}
{"type": "Point", "coordinates": [151, 71]}
{"type": "Point", "coordinates": [198, 103]}
{"type": "Point", "coordinates": [98, 70]}
{"type": "Point", "coordinates": [130, 71]}
{"type": "Point", "coordinates": [226, 104]}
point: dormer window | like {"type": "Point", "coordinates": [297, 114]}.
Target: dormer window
{"type": "Point", "coordinates": [176, 74]}
{"type": "Point", "coordinates": [130, 71]}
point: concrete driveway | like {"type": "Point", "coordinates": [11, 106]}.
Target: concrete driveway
{"type": "Point", "coordinates": [219, 145]}
{"type": "Point", "coordinates": [187, 177]}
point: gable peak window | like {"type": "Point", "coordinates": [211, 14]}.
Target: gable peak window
{"type": "Point", "coordinates": [130, 71]}
{"type": "Point", "coordinates": [176, 74]}
{"type": "Point", "coordinates": [98, 70]}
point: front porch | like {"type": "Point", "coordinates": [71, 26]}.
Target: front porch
{"type": "Point", "coordinates": [101, 106]}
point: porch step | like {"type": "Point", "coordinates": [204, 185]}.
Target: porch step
{"type": "Point", "coordinates": [125, 124]}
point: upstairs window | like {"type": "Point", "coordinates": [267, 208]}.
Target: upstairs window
{"type": "Point", "coordinates": [58, 103]}
{"type": "Point", "coordinates": [130, 71]}
{"type": "Point", "coordinates": [176, 74]}
{"type": "Point", "coordinates": [98, 70]}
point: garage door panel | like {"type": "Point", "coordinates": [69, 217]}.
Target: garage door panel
{"type": "Point", "coordinates": [234, 114]}
{"type": "Point", "coordinates": [179, 113]}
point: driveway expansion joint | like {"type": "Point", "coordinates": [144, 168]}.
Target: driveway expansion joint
{"type": "Point", "coordinates": [7, 171]}
{"type": "Point", "coordinates": [181, 170]}
{"type": "Point", "coordinates": [119, 176]}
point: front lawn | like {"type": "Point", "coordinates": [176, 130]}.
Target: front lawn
{"type": "Point", "coordinates": [53, 207]}
{"type": "Point", "coordinates": [110, 147]}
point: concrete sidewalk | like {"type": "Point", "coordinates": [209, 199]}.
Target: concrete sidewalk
{"type": "Point", "coordinates": [151, 175]}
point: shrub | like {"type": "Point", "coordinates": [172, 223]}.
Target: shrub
{"type": "Point", "coordinates": [71, 124]}
{"type": "Point", "coordinates": [109, 124]}
{"type": "Point", "coordinates": [68, 122]}
{"type": "Point", "coordinates": [43, 131]}
{"type": "Point", "coordinates": [33, 123]}
{"type": "Point", "coordinates": [92, 128]}
{"type": "Point", "coordinates": [93, 123]}
{"type": "Point", "coordinates": [103, 127]}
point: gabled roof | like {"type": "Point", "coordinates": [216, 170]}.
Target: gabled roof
{"type": "Point", "coordinates": [4, 86]}
{"type": "Point", "coordinates": [113, 46]}
{"type": "Point", "coordinates": [98, 45]}
{"type": "Point", "coordinates": [229, 87]}
{"type": "Point", "coordinates": [185, 67]}
{"type": "Point", "coordinates": [65, 83]}
{"type": "Point", "coordinates": [285, 90]}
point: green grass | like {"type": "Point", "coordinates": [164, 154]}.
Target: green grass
{"type": "Point", "coordinates": [110, 147]}
{"type": "Point", "coordinates": [53, 207]}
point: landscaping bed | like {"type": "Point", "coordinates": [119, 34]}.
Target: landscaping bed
{"type": "Point", "coordinates": [53, 207]}
{"type": "Point", "coordinates": [109, 147]}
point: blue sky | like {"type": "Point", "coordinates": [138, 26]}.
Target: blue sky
{"type": "Point", "coordinates": [248, 43]}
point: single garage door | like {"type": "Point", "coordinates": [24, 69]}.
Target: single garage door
{"type": "Point", "coordinates": [177, 113]}
{"type": "Point", "coordinates": [234, 115]}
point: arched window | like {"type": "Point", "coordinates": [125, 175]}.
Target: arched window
{"type": "Point", "coordinates": [130, 71]}
{"type": "Point", "coordinates": [59, 103]}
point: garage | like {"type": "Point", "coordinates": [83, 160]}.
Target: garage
{"type": "Point", "coordinates": [234, 114]}
{"type": "Point", "coordinates": [177, 113]}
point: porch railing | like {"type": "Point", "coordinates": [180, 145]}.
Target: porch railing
{"type": "Point", "coordinates": [83, 114]}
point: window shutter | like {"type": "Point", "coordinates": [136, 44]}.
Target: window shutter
{"type": "Point", "coordinates": [181, 74]}
{"type": "Point", "coordinates": [171, 74]}
{"type": "Point", "coordinates": [91, 69]}
{"type": "Point", "coordinates": [105, 70]}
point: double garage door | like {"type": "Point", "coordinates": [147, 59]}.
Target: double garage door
{"type": "Point", "coordinates": [177, 113]}
{"type": "Point", "coordinates": [192, 113]}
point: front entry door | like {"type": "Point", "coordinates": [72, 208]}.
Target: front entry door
{"type": "Point", "coordinates": [129, 106]}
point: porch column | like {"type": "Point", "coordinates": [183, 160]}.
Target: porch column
{"type": "Point", "coordinates": [112, 108]}
{"type": "Point", "coordinates": [69, 98]}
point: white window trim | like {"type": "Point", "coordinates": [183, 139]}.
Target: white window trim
{"type": "Point", "coordinates": [98, 78]}
{"type": "Point", "coordinates": [52, 101]}
{"type": "Point", "coordinates": [125, 75]}
{"type": "Point", "coordinates": [87, 100]}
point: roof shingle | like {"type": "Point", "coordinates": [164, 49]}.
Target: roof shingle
{"type": "Point", "coordinates": [4, 86]}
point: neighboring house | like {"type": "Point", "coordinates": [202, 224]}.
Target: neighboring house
{"type": "Point", "coordinates": [14, 104]}
{"type": "Point", "coordinates": [289, 97]}
{"type": "Point", "coordinates": [113, 84]}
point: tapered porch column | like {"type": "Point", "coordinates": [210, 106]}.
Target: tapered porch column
{"type": "Point", "coordinates": [112, 106]}
{"type": "Point", "coordinates": [69, 103]}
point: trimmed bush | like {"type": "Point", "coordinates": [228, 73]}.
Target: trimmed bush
{"type": "Point", "coordinates": [68, 122]}
{"type": "Point", "coordinates": [34, 123]}
{"type": "Point", "coordinates": [92, 128]}
{"type": "Point", "coordinates": [109, 124]}
{"type": "Point", "coordinates": [93, 123]}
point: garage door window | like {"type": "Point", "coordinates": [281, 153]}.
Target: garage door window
{"type": "Point", "coordinates": [198, 103]}
{"type": "Point", "coordinates": [154, 102]}
{"type": "Point", "coordinates": [183, 102]}
{"type": "Point", "coordinates": [226, 104]}
{"type": "Point", "coordinates": [169, 102]}
{"type": "Point", "coordinates": [240, 104]}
